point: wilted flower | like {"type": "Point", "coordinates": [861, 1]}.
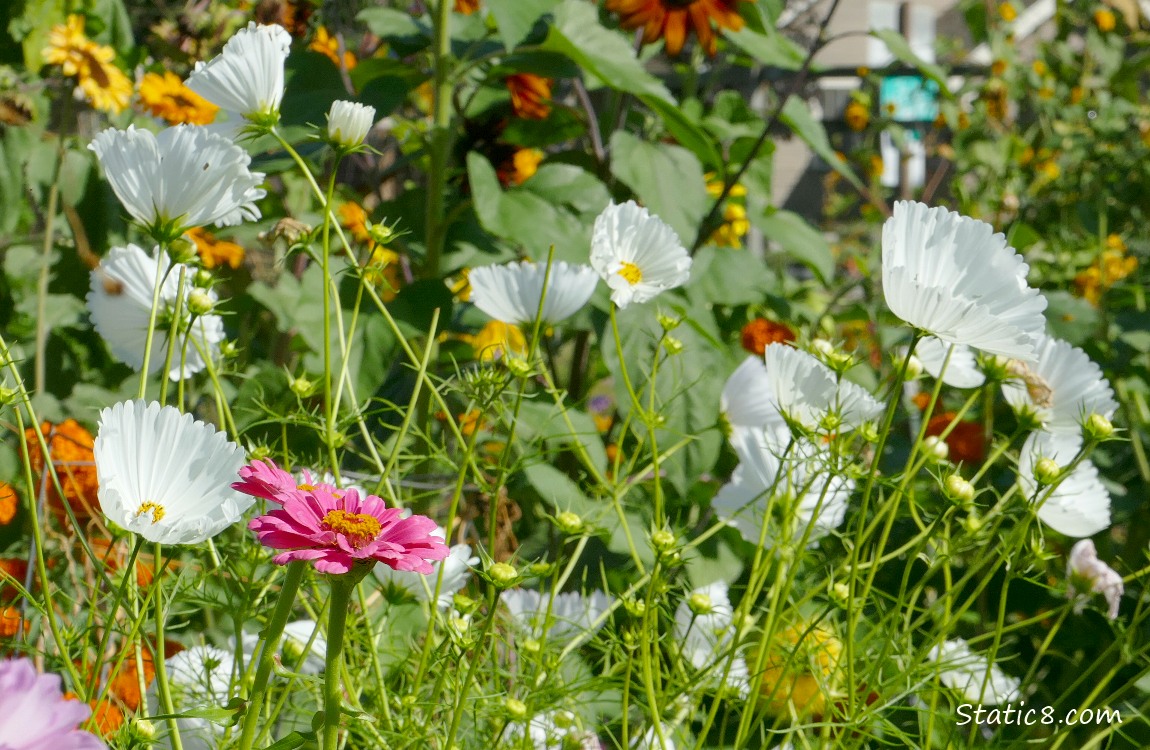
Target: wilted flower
{"type": "Point", "coordinates": [348, 123]}
{"type": "Point", "coordinates": [120, 302]}
{"type": "Point", "coordinates": [339, 530]}
{"type": "Point", "coordinates": [1080, 505]}
{"type": "Point", "coordinates": [1061, 388]}
{"type": "Point", "coordinates": [1087, 574]}
{"type": "Point", "coordinates": [637, 254]}
{"type": "Point", "coordinates": [952, 277]}
{"type": "Point", "coordinates": [247, 77]}
{"type": "Point", "coordinates": [165, 475]}
{"type": "Point", "coordinates": [559, 619]}
{"type": "Point", "coordinates": [511, 293]}
{"type": "Point", "coordinates": [34, 714]}
{"type": "Point", "coordinates": [980, 682]}
{"type": "Point", "coordinates": [183, 177]}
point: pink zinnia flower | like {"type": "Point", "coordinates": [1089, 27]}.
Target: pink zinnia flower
{"type": "Point", "coordinates": [267, 480]}
{"type": "Point", "coordinates": [34, 715]}
{"type": "Point", "coordinates": [339, 530]}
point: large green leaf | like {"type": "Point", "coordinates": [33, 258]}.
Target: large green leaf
{"type": "Point", "coordinates": [687, 132]}
{"type": "Point", "coordinates": [900, 48]}
{"type": "Point", "coordinates": [516, 18]}
{"type": "Point", "coordinates": [544, 421]}
{"type": "Point", "coordinates": [798, 239]}
{"type": "Point", "coordinates": [797, 116]}
{"type": "Point", "coordinates": [725, 276]}
{"type": "Point", "coordinates": [603, 53]}
{"type": "Point", "coordinates": [769, 48]}
{"type": "Point", "coordinates": [668, 179]}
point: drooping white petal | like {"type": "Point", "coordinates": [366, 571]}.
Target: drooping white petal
{"type": "Point", "coordinates": [980, 682]}
{"type": "Point", "coordinates": [953, 277]}
{"type": "Point", "coordinates": [962, 369]}
{"type": "Point", "coordinates": [806, 390]}
{"type": "Point", "coordinates": [120, 303]}
{"type": "Point", "coordinates": [1064, 387]}
{"type": "Point", "coordinates": [181, 178]}
{"type": "Point", "coordinates": [165, 475]}
{"type": "Point", "coordinates": [1080, 505]}
{"type": "Point", "coordinates": [637, 254]}
{"type": "Point", "coordinates": [247, 77]}
{"type": "Point", "coordinates": [1087, 574]}
{"type": "Point", "coordinates": [706, 638]}
{"type": "Point", "coordinates": [510, 293]}
{"type": "Point", "coordinates": [560, 619]}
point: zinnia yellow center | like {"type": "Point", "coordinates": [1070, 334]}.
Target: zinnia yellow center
{"type": "Point", "coordinates": [155, 509]}
{"type": "Point", "coordinates": [631, 273]}
{"type": "Point", "coordinates": [359, 528]}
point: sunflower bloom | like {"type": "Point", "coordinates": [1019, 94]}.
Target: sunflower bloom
{"type": "Point", "coordinates": [673, 19]}
{"type": "Point", "coordinates": [328, 45]}
{"type": "Point", "coordinates": [103, 84]}
{"type": "Point", "coordinates": [530, 95]}
{"type": "Point", "coordinates": [165, 96]}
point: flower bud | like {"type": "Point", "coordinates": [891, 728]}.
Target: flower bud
{"type": "Point", "coordinates": [674, 345]}
{"type": "Point", "coordinates": [464, 603]}
{"type": "Point", "coordinates": [1047, 471]}
{"type": "Point", "coordinates": [200, 302]}
{"type": "Point", "coordinates": [700, 604]}
{"type": "Point", "coordinates": [183, 250]}
{"type": "Point", "coordinates": [381, 234]}
{"type": "Point", "coordinates": [144, 729]}
{"type": "Point", "coordinates": [519, 367]}
{"type": "Point", "coordinates": [516, 709]}
{"type": "Point", "coordinates": [569, 523]}
{"type": "Point", "coordinates": [958, 489]}
{"type": "Point", "coordinates": [663, 540]}
{"type": "Point", "coordinates": [668, 323]}
{"type": "Point", "coordinates": [841, 593]}
{"type": "Point", "coordinates": [972, 523]}
{"type": "Point", "coordinates": [7, 395]}
{"type": "Point", "coordinates": [203, 279]}
{"type": "Point", "coordinates": [503, 574]}
{"type": "Point", "coordinates": [541, 569]}
{"type": "Point", "coordinates": [348, 123]}
{"type": "Point", "coordinates": [531, 646]}
{"type": "Point", "coordinates": [913, 368]}
{"type": "Point", "coordinates": [635, 607]}
{"type": "Point", "coordinates": [935, 448]}
{"type": "Point", "coordinates": [1098, 427]}
{"type": "Point", "coordinates": [301, 386]}
{"type": "Point", "coordinates": [228, 349]}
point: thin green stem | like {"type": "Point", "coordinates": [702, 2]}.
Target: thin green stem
{"type": "Point", "coordinates": [341, 589]}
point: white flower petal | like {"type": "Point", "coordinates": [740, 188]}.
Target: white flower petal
{"type": "Point", "coordinates": [1080, 505]}
{"type": "Point", "coordinates": [807, 390]}
{"type": "Point", "coordinates": [637, 254]}
{"type": "Point", "coordinates": [705, 639]}
{"type": "Point", "coordinates": [349, 122]}
{"type": "Point", "coordinates": [748, 397]}
{"type": "Point", "coordinates": [247, 77]}
{"type": "Point", "coordinates": [166, 476]}
{"type": "Point", "coordinates": [1076, 388]}
{"type": "Point", "coordinates": [200, 677]}
{"type": "Point", "coordinates": [979, 681]}
{"type": "Point", "coordinates": [560, 619]}
{"type": "Point", "coordinates": [953, 277]}
{"type": "Point", "coordinates": [510, 293]}
{"type": "Point", "coordinates": [961, 370]}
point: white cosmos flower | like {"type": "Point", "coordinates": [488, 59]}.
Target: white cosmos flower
{"type": "Point", "coordinates": [554, 730]}
{"type": "Point", "coordinates": [1062, 388]}
{"type": "Point", "coordinates": [805, 494]}
{"type": "Point", "coordinates": [198, 677]}
{"type": "Point", "coordinates": [510, 293]}
{"type": "Point", "coordinates": [748, 398]}
{"type": "Point", "coordinates": [247, 77]}
{"type": "Point", "coordinates": [1087, 574]}
{"type": "Point", "coordinates": [456, 570]}
{"type": "Point", "coordinates": [120, 302]}
{"type": "Point", "coordinates": [953, 277]}
{"type": "Point", "coordinates": [296, 636]}
{"type": "Point", "coordinates": [182, 178]}
{"type": "Point", "coordinates": [806, 390]}
{"type": "Point", "coordinates": [165, 475]}
{"type": "Point", "coordinates": [980, 682]}
{"type": "Point", "coordinates": [962, 369]}
{"type": "Point", "coordinates": [559, 620]}
{"type": "Point", "coordinates": [637, 254]}
{"type": "Point", "coordinates": [706, 638]}
{"type": "Point", "coordinates": [1080, 505]}
{"type": "Point", "coordinates": [349, 122]}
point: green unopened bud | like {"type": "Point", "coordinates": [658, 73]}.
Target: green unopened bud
{"type": "Point", "coordinates": [674, 345]}
{"type": "Point", "coordinates": [203, 279]}
{"type": "Point", "coordinates": [569, 523]}
{"type": "Point", "coordinates": [7, 395]}
{"type": "Point", "coordinates": [144, 729]}
{"type": "Point", "coordinates": [823, 347]}
{"type": "Point", "coordinates": [183, 250]}
{"type": "Point", "coordinates": [935, 448]}
{"type": "Point", "coordinates": [464, 603]}
{"type": "Point", "coordinates": [841, 593]}
{"type": "Point", "coordinates": [830, 422]}
{"type": "Point", "coordinates": [663, 541]}
{"type": "Point", "coordinates": [972, 523]}
{"type": "Point", "coordinates": [382, 234]}
{"type": "Point", "coordinates": [1047, 471]}
{"type": "Point", "coordinates": [531, 646]}
{"type": "Point", "coordinates": [913, 368]}
{"type": "Point", "coordinates": [301, 386]}
{"type": "Point", "coordinates": [519, 367]}
{"type": "Point", "coordinates": [635, 607]}
{"type": "Point", "coordinates": [516, 709]}
{"type": "Point", "coordinates": [700, 604]}
{"type": "Point", "coordinates": [259, 453]}
{"type": "Point", "coordinates": [1098, 427]}
{"type": "Point", "coordinates": [563, 719]}
{"type": "Point", "coordinates": [200, 302]}
{"type": "Point", "coordinates": [229, 349]}
{"type": "Point", "coordinates": [541, 569]}
{"type": "Point", "coordinates": [503, 574]}
{"type": "Point", "coordinates": [293, 651]}
{"type": "Point", "coordinates": [868, 432]}
{"type": "Point", "coordinates": [958, 489]}
{"type": "Point", "coordinates": [668, 323]}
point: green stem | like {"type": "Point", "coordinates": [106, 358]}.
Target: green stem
{"type": "Point", "coordinates": [439, 144]}
{"type": "Point", "coordinates": [268, 647]}
{"type": "Point", "coordinates": [159, 661]}
{"type": "Point", "coordinates": [341, 588]}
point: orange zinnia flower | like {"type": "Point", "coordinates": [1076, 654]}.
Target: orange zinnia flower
{"type": "Point", "coordinates": [672, 19]}
{"type": "Point", "coordinates": [466, 7]}
{"type": "Point", "coordinates": [965, 442]}
{"type": "Point", "coordinates": [761, 333]}
{"type": "Point", "coordinates": [70, 446]}
{"type": "Point", "coordinates": [530, 95]}
{"type": "Point", "coordinates": [353, 217]}
{"type": "Point", "coordinates": [216, 252]}
{"type": "Point", "coordinates": [10, 622]}
{"type": "Point", "coordinates": [9, 504]}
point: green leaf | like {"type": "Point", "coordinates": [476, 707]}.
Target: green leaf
{"type": "Point", "coordinates": [723, 276]}
{"type": "Point", "coordinates": [668, 179]}
{"type": "Point", "coordinates": [292, 741]}
{"type": "Point", "coordinates": [560, 492]}
{"type": "Point", "coordinates": [797, 116]}
{"type": "Point", "coordinates": [569, 185]}
{"type": "Point", "coordinates": [389, 23]}
{"type": "Point", "coordinates": [799, 240]}
{"type": "Point", "coordinates": [74, 173]}
{"type": "Point", "coordinates": [686, 132]}
{"type": "Point", "coordinates": [516, 18]}
{"type": "Point", "coordinates": [603, 53]}
{"type": "Point", "coordinates": [769, 48]}
{"type": "Point", "coordinates": [545, 422]}
{"type": "Point", "coordinates": [900, 48]}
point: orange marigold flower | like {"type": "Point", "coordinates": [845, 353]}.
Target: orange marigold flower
{"type": "Point", "coordinates": [104, 85]}
{"type": "Point", "coordinates": [530, 95]}
{"type": "Point", "coordinates": [115, 554]}
{"type": "Point", "coordinates": [466, 7]}
{"type": "Point", "coordinates": [521, 167]}
{"type": "Point", "coordinates": [216, 252]}
{"type": "Point", "coordinates": [165, 96]}
{"type": "Point", "coordinates": [857, 116]}
{"type": "Point", "coordinates": [671, 20]}
{"type": "Point", "coordinates": [353, 217]}
{"type": "Point", "coordinates": [15, 568]}
{"type": "Point", "coordinates": [761, 333]}
{"type": "Point", "coordinates": [10, 622]}
{"type": "Point", "coordinates": [470, 422]}
{"type": "Point", "coordinates": [9, 503]}
{"type": "Point", "coordinates": [70, 446]}
{"type": "Point", "coordinates": [327, 45]}
{"type": "Point", "coordinates": [106, 718]}
{"type": "Point", "coordinates": [966, 441]}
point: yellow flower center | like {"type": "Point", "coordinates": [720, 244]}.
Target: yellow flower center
{"type": "Point", "coordinates": [155, 509]}
{"type": "Point", "coordinates": [631, 273]}
{"type": "Point", "coordinates": [359, 528]}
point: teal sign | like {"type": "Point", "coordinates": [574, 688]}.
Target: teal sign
{"type": "Point", "coordinates": [909, 98]}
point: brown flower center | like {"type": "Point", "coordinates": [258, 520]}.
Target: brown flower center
{"type": "Point", "coordinates": [359, 528]}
